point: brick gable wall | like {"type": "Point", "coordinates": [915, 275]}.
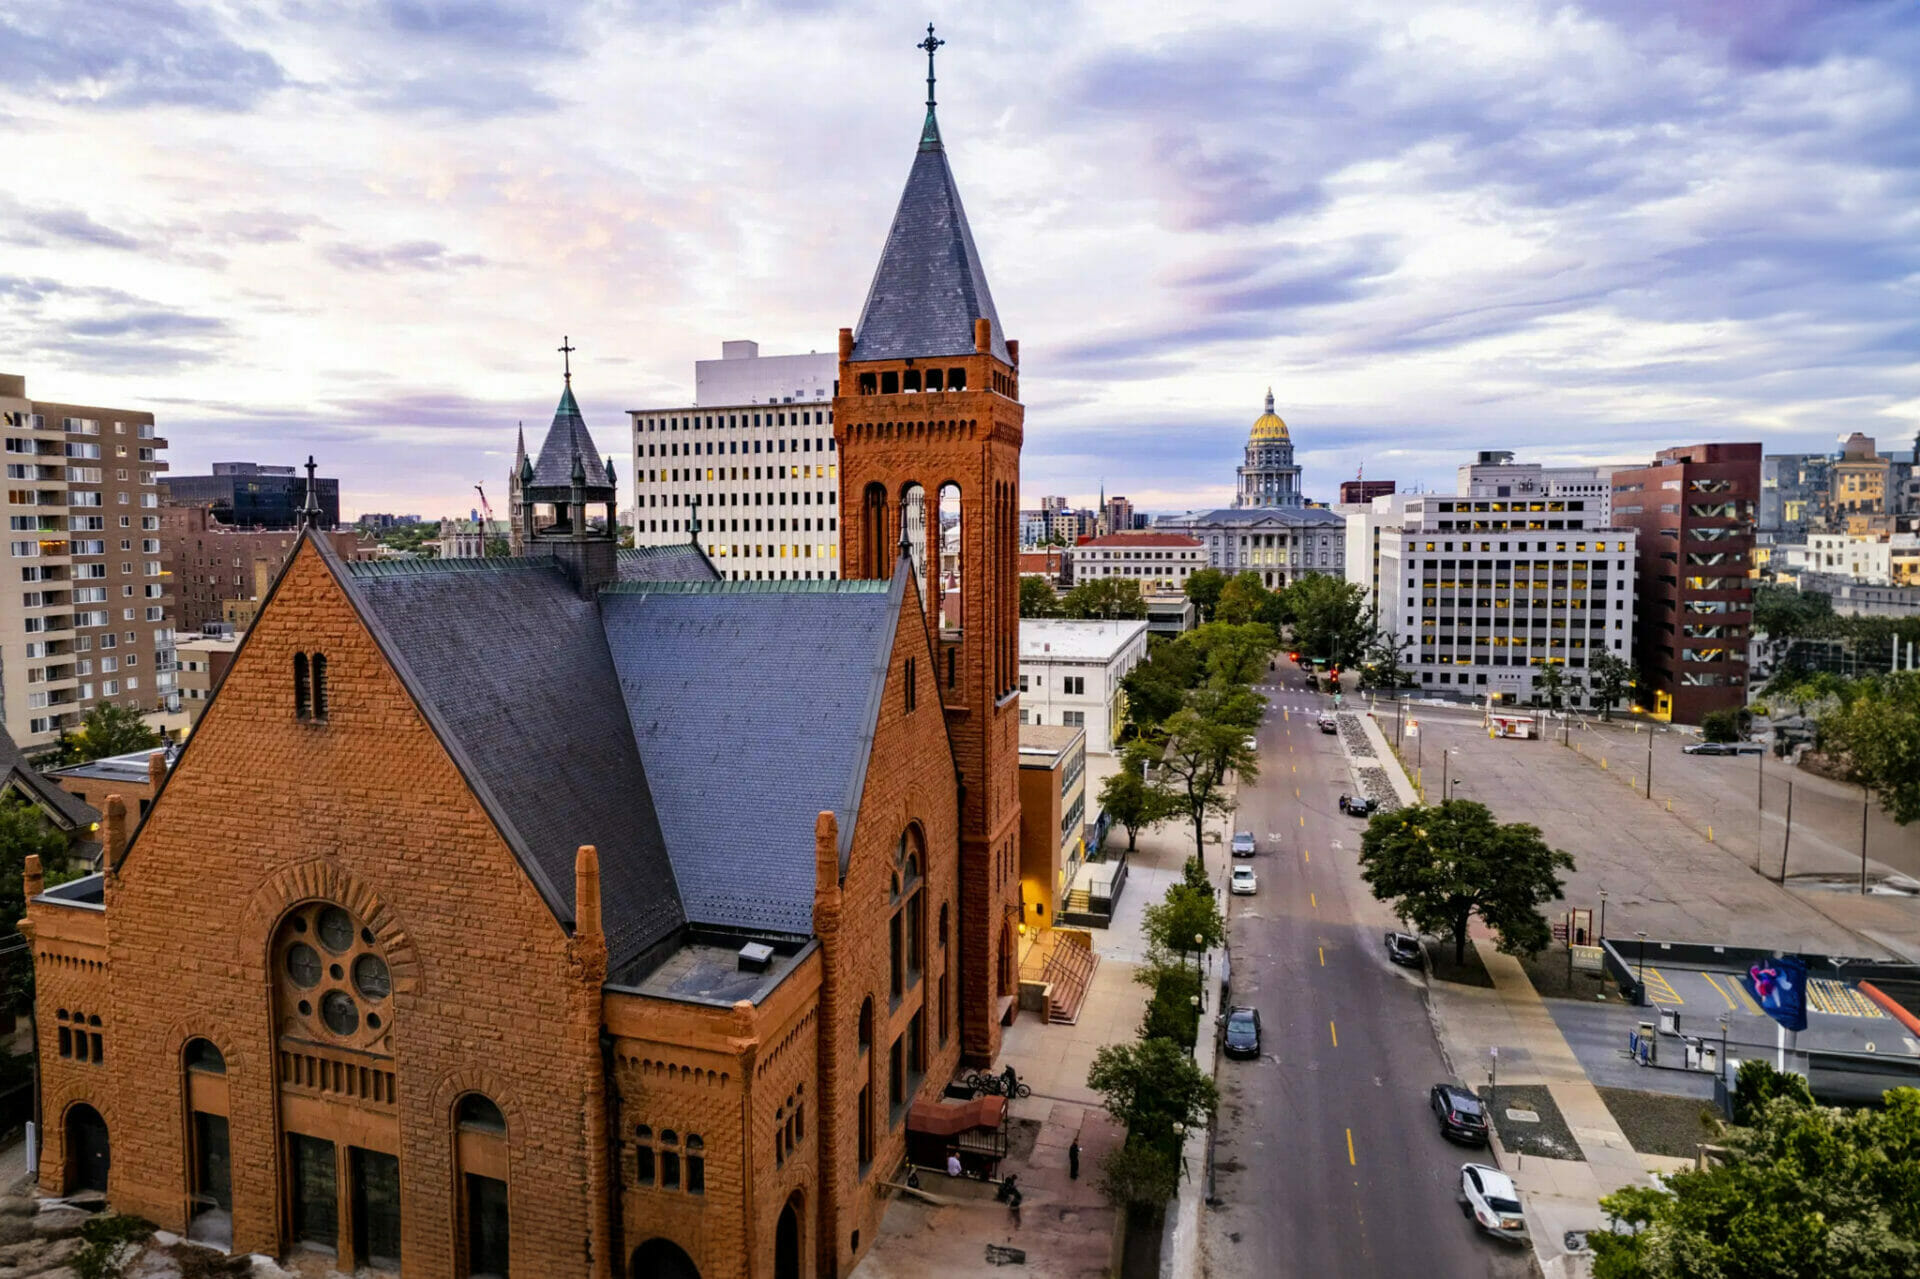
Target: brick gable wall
{"type": "Point", "coordinates": [263, 812]}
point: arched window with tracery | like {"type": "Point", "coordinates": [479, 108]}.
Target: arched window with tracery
{"type": "Point", "coordinates": [333, 1011]}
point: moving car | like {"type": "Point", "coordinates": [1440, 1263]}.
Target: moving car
{"type": "Point", "coordinates": [1328, 725]}
{"type": "Point", "coordinates": [1358, 805]}
{"type": "Point", "coordinates": [1243, 1032]}
{"type": "Point", "coordinates": [1461, 1116]}
{"type": "Point", "coordinates": [1723, 748]}
{"type": "Point", "coordinates": [1243, 843]}
{"type": "Point", "coordinates": [1243, 881]}
{"type": "Point", "coordinates": [1404, 948]}
{"type": "Point", "coordinates": [1491, 1199]}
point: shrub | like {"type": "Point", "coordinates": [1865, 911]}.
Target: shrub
{"type": "Point", "coordinates": [103, 1253]}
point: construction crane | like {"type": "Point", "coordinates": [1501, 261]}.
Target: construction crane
{"type": "Point", "coordinates": [486, 512]}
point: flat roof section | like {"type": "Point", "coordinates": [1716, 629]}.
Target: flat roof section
{"type": "Point", "coordinates": [1042, 744]}
{"type": "Point", "coordinates": [1056, 639]}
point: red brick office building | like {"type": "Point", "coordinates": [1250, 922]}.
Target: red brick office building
{"type": "Point", "coordinates": [578, 914]}
{"type": "Point", "coordinates": [1694, 510]}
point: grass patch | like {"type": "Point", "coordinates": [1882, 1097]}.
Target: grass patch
{"type": "Point", "coordinates": [1548, 973]}
{"type": "Point", "coordinates": [1660, 1124]}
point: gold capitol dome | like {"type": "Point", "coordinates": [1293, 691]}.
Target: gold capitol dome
{"type": "Point", "coordinates": [1268, 425]}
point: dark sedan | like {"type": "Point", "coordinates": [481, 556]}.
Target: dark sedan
{"type": "Point", "coordinates": [1404, 948]}
{"type": "Point", "coordinates": [1358, 805]}
{"type": "Point", "coordinates": [1461, 1116]}
{"type": "Point", "coordinates": [1243, 1032]}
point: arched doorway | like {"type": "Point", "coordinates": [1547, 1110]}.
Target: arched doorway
{"type": "Point", "coordinates": [662, 1259]}
{"type": "Point", "coordinates": [89, 1154]}
{"type": "Point", "coordinates": [786, 1241]}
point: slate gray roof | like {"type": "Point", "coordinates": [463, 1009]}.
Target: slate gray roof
{"type": "Point", "coordinates": [676, 562]}
{"type": "Point", "coordinates": [930, 286]}
{"type": "Point", "coordinates": [511, 667]}
{"type": "Point", "coordinates": [70, 811]}
{"type": "Point", "coordinates": [691, 729]}
{"type": "Point", "coordinates": [566, 439]}
{"type": "Point", "coordinates": [753, 704]}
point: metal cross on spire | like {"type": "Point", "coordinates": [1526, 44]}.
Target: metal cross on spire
{"type": "Point", "coordinates": [930, 44]}
{"type": "Point", "coordinates": [930, 131]}
{"type": "Point", "coordinates": [566, 349]}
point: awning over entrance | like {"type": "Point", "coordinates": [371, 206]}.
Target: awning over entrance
{"type": "Point", "coordinates": [945, 1118]}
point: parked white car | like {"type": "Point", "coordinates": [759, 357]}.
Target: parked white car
{"type": "Point", "coordinates": [1492, 1200]}
{"type": "Point", "coordinates": [1244, 883]}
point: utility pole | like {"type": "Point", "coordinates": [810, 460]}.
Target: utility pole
{"type": "Point", "coordinates": [1866, 800]}
{"type": "Point", "coordinates": [1649, 761]}
{"type": "Point", "coordinates": [1786, 841]}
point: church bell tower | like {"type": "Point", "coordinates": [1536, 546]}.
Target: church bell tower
{"type": "Point", "coordinates": [928, 424]}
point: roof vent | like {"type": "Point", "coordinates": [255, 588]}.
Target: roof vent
{"type": "Point", "coordinates": [756, 957]}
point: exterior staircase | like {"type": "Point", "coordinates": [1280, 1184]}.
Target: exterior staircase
{"type": "Point", "coordinates": [1069, 971]}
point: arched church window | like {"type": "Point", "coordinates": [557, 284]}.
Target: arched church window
{"type": "Point", "coordinates": [477, 1113]}
{"type": "Point", "coordinates": [302, 687]}
{"type": "Point", "coordinates": [203, 1055]}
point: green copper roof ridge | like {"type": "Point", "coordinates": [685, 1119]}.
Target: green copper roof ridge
{"type": "Point", "coordinates": [418, 568]}
{"type": "Point", "coordinates": [800, 586]}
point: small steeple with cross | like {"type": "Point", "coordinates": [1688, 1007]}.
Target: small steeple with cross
{"type": "Point", "coordinates": [566, 349]}
{"type": "Point", "coordinates": [930, 131]}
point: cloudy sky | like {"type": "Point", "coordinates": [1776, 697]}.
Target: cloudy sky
{"type": "Point", "coordinates": [1580, 231]}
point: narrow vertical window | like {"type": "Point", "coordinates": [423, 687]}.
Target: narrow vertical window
{"type": "Point", "coordinates": [696, 1166]}
{"type": "Point", "coordinates": [643, 1155]}
{"type": "Point", "coordinates": [669, 1160]}
{"type": "Point", "coordinates": [302, 689]}
{"type": "Point", "coordinates": [319, 685]}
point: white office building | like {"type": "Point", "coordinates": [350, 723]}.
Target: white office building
{"type": "Point", "coordinates": [1485, 592]}
{"type": "Point", "coordinates": [753, 457]}
{"type": "Point", "coordinates": [1157, 561]}
{"type": "Point", "coordinates": [1070, 674]}
{"type": "Point", "coordinates": [1495, 474]}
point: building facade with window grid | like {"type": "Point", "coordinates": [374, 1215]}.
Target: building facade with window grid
{"type": "Point", "coordinates": [1282, 545]}
{"type": "Point", "coordinates": [1070, 673]}
{"type": "Point", "coordinates": [86, 611]}
{"type": "Point", "coordinates": [1484, 594]}
{"type": "Point", "coordinates": [1154, 560]}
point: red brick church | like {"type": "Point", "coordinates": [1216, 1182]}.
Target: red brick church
{"type": "Point", "coordinates": [579, 913]}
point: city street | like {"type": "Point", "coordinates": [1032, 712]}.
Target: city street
{"type": "Point", "coordinates": [1328, 1161]}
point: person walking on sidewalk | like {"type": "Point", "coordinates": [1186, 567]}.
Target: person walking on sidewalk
{"type": "Point", "coordinates": [1073, 1160]}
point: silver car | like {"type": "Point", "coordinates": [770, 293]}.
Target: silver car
{"type": "Point", "coordinates": [1243, 843]}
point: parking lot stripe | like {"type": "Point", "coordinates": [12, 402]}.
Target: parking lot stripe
{"type": "Point", "coordinates": [1350, 1159]}
{"type": "Point", "coordinates": [1663, 991]}
{"type": "Point", "coordinates": [1716, 985]}
{"type": "Point", "coordinates": [1334, 1033]}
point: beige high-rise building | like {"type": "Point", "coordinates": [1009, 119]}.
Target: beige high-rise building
{"type": "Point", "coordinates": [86, 606]}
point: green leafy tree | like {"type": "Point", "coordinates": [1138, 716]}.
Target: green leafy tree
{"type": "Point", "coordinates": [1186, 913]}
{"type": "Point", "coordinates": [1876, 732]}
{"type": "Point", "coordinates": [1128, 799]}
{"type": "Point", "coordinates": [1803, 1190]}
{"type": "Point", "coordinates": [1203, 588]}
{"type": "Point", "coordinates": [1552, 685]}
{"type": "Point", "coordinates": [1759, 1085]}
{"type": "Point", "coordinates": [1105, 599]}
{"type": "Point", "coordinates": [1442, 865]}
{"type": "Point", "coordinates": [1157, 687]}
{"type": "Point", "coordinates": [24, 831]}
{"type": "Point", "coordinates": [1139, 1175]}
{"type": "Point", "coordinates": [1229, 652]}
{"type": "Point", "coordinates": [1727, 725]}
{"type": "Point", "coordinates": [1241, 600]}
{"type": "Point", "coordinates": [1198, 751]}
{"type": "Point", "coordinates": [107, 730]}
{"type": "Point", "coordinates": [1329, 618]}
{"type": "Point", "coordinates": [1171, 1013]}
{"type": "Point", "coordinates": [1380, 655]}
{"type": "Point", "coordinates": [1781, 612]}
{"type": "Point", "coordinates": [1151, 1085]}
{"type": "Point", "coordinates": [1038, 598]}
{"type": "Point", "coordinates": [1611, 678]}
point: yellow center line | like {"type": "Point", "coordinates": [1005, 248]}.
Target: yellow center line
{"type": "Point", "coordinates": [1303, 819]}
{"type": "Point", "coordinates": [1315, 900]}
{"type": "Point", "coordinates": [1323, 955]}
{"type": "Point", "coordinates": [1350, 1158]}
{"type": "Point", "coordinates": [1334, 1033]}
{"type": "Point", "coordinates": [1304, 853]}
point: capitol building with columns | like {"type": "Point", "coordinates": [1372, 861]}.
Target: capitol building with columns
{"type": "Point", "coordinates": [1269, 529]}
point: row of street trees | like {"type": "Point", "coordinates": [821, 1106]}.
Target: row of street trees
{"type": "Point", "coordinates": [1100, 598]}
{"type": "Point", "coordinates": [1870, 725]}
{"type": "Point", "coordinates": [1191, 715]}
{"type": "Point", "coordinates": [1152, 1085]}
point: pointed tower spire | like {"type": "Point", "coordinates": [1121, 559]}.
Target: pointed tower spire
{"type": "Point", "coordinates": [1269, 399]}
{"type": "Point", "coordinates": [930, 131]}
{"type": "Point", "coordinates": [310, 513]}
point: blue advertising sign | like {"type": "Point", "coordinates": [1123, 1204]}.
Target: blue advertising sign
{"type": "Point", "coordinates": [1781, 987]}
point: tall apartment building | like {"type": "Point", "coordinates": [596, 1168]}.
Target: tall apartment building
{"type": "Point", "coordinates": [86, 611]}
{"type": "Point", "coordinates": [1486, 592]}
{"type": "Point", "coordinates": [753, 459]}
{"type": "Point", "coordinates": [1694, 509]}
{"type": "Point", "coordinates": [251, 495]}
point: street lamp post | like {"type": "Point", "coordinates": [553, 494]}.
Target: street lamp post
{"type": "Point", "coordinates": [1649, 761]}
{"type": "Point", "coordinates": [1194, 1001]}
{"type": "Point", "coordinates": [1603, 915]}
{"type": "Point", "coordinates": [1640, 995]}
